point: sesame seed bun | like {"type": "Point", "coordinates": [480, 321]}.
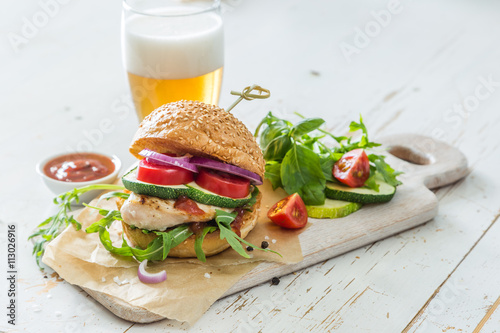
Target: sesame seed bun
{"type": "Point", "coordinates": [189, 127]}
{"type": "Point", "coordinates": [212, 244]}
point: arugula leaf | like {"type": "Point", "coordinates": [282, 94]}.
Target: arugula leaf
{"type": "Point", "coordinates": [301, 173]}
{"type": "Point", "coordinates": [363, 143]}
{"type": "Point", "coordinates": [224, 217]}
{"type": "Point", "coordinates": [115, 194]}
{"type": "Point", "coordinates": [313, 143]}
{"type": "Point", "coordinates": [109, 216]}
{"type": "Point", "coordinates": [199, 242]}
{"type": "Point", "coordinates": [52, 226]}
{"type": "Point", "coordinates": [124, 251]}
{"type": "Point", "coordinates": [223, 220]}
{"type": "Point", "coordinates": [386, 171]}
{"type": "Point", "coordinates": [167, 243]}
{"type": "Point", "coordinates": [371, 183]}
{"type": "Point", "coordinates": [159, 248]}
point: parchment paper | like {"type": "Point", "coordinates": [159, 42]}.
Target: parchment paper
{"type": "Point", "coordinates": [191, 286]}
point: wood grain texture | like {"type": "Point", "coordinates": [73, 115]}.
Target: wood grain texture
{"type": "Point", "coordinates": [413, 204]}
{"type": "Point", "coordinates": [67, 83]}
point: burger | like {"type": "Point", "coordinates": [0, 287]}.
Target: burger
{"type": "Point", "coordinates": [197, 163]}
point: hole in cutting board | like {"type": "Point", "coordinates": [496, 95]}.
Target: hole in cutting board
{"type": "Point", "coordinates": [410, 155]}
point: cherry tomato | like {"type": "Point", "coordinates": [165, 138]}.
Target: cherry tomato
{"type": "Point", "coordinates": [289, 213]}
{"type": "Point", "coordinates": [163, 174]}
{"type": "Point", "coordinates": [223, 183]}
{"type": "Point", "coordinates": [353, 169]}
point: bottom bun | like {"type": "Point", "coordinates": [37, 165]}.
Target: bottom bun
{"type": "Point", "coordinates": [212, 244]}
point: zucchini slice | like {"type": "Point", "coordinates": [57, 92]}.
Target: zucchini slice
{"type": "Point", "coordinates": [161, 191]}
{"type": "Point", "coordinates": [332, 209]}
{"type": "Point", "coordinates": [201, 195]}
{"type": "Point", "coordinates": [191, 190]}
{"type": "Point", "coordinates": [360, 194]}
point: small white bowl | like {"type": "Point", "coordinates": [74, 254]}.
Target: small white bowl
{"type": "Point", "coordinates": [59, 187]}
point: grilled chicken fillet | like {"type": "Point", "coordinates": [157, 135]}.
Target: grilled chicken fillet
{"type": "Point", "coordinates": [152, 213]}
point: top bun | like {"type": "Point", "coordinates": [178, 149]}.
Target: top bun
{"type": "Point", "coordinates": [189, 127]}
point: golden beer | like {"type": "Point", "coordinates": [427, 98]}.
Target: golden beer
{"type": "Point", "coordinates": [172, 52]}
{"type": "Point", "coordinates": [148, 93]}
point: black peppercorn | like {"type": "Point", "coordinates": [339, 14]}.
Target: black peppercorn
{"type": "Point", "coordinates": [249, 248]}
{"type": "Point", "coordinates": [275, 281]}
{"type": "Point", "coordinates": [264, 245]}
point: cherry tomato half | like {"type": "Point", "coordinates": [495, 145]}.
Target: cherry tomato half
{"type": "Point", "coordinates": [289, 213]}
{"type": "Point", "coordinates": [163, 174]}
{"type": "Point", "coordinates": [223, 183]}
{"type": "Point", "coordinates": [353, 169]}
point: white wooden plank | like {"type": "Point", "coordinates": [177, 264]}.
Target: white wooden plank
{"type": "Point", "coordinates": [470, 296]}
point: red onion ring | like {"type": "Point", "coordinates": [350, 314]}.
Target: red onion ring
{"type": "Point", "coordinates": [181, 162]}
{"type": "Point", "coordinates": [229, 168]}
{"type": "Point", "coordinates": [146, 277]}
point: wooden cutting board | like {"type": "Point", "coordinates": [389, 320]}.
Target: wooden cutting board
{"type": "Point", "coordinates": [426, 164]}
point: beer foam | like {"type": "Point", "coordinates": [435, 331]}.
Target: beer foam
{"type": "Point", "coordinates": [172, 47]}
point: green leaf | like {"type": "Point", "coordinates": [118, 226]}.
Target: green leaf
{"type": "Point", "coordinates": [301, 173]}
{"type": "Point", "coordinates": [199, 242]}
{"type": "Point", "coordinates": [387, 172]}
{"type": "Point", "coordinates": [62, 218]}
{"type": "Point", "coordinates": [371, 183]}
{"type": "Point", "coordinates": [267, 120]}
{"type": "Point", "coordinates": [277, 148]}
{"type": "Point", "coordinates": [327, 163]}
{"type": "Point", "coordinates": [227, 234]}
{"type": "Point", "coordinates": [77, 225]}
{"type": "Point", "coordinates": [115, 194]}
{"type": "Point", "coordinates": [313, 143]}
{"type": "Point", "coordinates": [273, 173]}
{"type": "Point", "coordinates": [108, 245]}
{"type": "Point", "coordinates": [224, 217]}
{"type": "Point", "coordinates": [272, 131]}
{"type": "Point", "coordinates": [159, 247]}
{"type": "Point", "coordinates": [354, 126]}
{"type": "Point", "coordinates": [363, 143]}
{"type": "Point", "coordinates": [167, 243]}
{"type": "Point", "coordinates": [223, 220]}
{"type": "Point", "coordinates": [305, 126]}
{"type": "Point", "coordinates": [109, 217]}
{"type": "Point", "coordinates": [253, 199]}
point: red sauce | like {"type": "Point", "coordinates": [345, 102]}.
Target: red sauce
{"type": "Point", "coordinates": [238, 221]}
{"type": "Point", "coordinates": [79, 167]}
{"type": "Point", "coordinates": [197, 227]}
{"type": "Point", "coordinates": [188, 205]}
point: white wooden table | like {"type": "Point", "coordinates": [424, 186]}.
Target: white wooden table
{"type": "Point", "coordinates": [430, 67]}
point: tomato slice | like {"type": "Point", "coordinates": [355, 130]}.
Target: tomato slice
{"type": "Point", "coordinates": [223, 183]}
{"type": "Point", "coordinates": [163, 174]}
{"type": "Point", "coordinates": [289, 213]}
{"type": "Point", "coordinates": [353, 169]}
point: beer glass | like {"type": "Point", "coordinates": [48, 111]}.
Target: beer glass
{"type": "Point", "coordinates": [172, 50]}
